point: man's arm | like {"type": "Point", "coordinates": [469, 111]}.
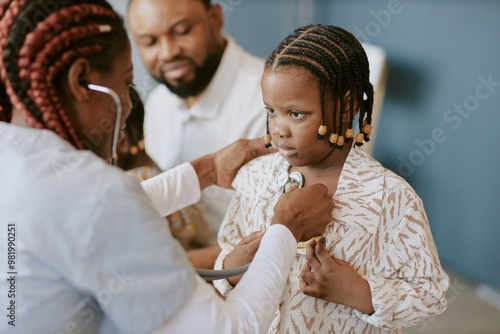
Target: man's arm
{"type": "Point", "coordinates": [221, 167]}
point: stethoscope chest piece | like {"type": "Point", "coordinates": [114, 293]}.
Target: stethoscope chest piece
{"type": "Point", "coordinates": [287, 181]}
{"type": "Point", "coordinates": [297, 179]}
{"type": "Point", "coordinates": [281, 178]}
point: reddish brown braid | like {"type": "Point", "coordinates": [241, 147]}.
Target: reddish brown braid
{"type": "Point", "coordinates": [41, 74]}
{"type": "Point", "coordinates": [37, 56]}
{"type": "Point", "coordinates": [7, 7]}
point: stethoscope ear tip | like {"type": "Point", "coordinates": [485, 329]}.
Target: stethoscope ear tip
{"type": "Point", "coordinates": [110, 92]}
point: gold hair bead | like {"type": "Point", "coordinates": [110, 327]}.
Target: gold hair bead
{"type": "Point", "coordinates": [349, 133]}
{"type": "Point", "coordinates": [360, 137]}
{"type": "Point", "coordinates": [134, 150]}
{"type": "Point", "coordinates": [340, 141]}
{"type": "Point", "coordinates": [333, 138]}
{"type": "Point", "coordinates": [104, 28]}
{"type": "Point", "coordinates": [367, 128]}
{"type": "Point", "coordinates": [267, 140]}
{"type": "Point", "coordinates": [140, 144]}
{"type": "Point", "coordinates": [322, 130]}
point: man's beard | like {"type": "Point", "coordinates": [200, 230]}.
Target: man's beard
{"type": "Point", "coordinates": [202, 76]}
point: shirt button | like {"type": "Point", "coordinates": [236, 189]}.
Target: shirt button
{"type": "Point", "coordinates": [301, 251]}
{"type": "Point", "coordinates": [334, 236]}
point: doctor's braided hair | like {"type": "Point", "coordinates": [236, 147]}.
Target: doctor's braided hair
{"type": "Point", "coordinates": [206, 3]}
{"type": "Point", "coordinates": [339, 61]}
{"type": "Point", "coordinates": [39, 40]}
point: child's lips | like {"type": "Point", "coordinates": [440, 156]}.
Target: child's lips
{"type": "Point", "coordinates": [286, 151]}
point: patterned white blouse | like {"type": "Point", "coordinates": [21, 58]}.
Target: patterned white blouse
{"type": "Point", "coordinates": [379, 227]}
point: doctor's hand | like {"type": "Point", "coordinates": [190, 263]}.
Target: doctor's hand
{"type": "Point", "coordinates": [334, 280]}
{"type": "Point", "coordinates": [242, 254]}
{"type": "Point", "coordinates": [220, 168]}
{"type": "Point", "coordinates": [305, 211]}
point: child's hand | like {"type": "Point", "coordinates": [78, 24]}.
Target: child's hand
{"type": "Point", "coordinates": [333, 280]}
{"type": "Point", "coordinates": [242, 254]}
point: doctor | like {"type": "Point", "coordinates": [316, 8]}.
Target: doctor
{"type": "Point", "coordinates": [83, 248]}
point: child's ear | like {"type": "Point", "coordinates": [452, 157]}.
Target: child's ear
{"type": "Point", "coordinates": [347, 104]}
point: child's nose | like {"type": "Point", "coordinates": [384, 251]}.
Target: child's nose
{"type": "Point", "coordinates": [280, 129]}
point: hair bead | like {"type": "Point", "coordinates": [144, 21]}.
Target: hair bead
{"type": "Point", "coordinates": [104, 28]}
{"type": "Point", "coordinates": [267, 140]}
{"type": "Point", "coordinates": [359, 139]}
{"type": "Point", "coordinates": [367, 130]}
{"type": "Point", "coordinates": [333, 138]}
{"type": "Point", "coordinates": [140, 145]}
{"type": "Point", "coordinates": [133, 150]}
{"type": "Point", "coordinates": [322, 131]}
{"type": "Point", "coordinates": [340, 141]}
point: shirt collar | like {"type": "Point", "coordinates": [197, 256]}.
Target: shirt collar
{"type": "Point", "coordinates": [209, 103]}
{"type": "Point", "coordinates": [360, 185]}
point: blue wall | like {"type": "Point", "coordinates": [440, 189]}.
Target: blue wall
{"type": "Point", "coordinates": [439, 54]}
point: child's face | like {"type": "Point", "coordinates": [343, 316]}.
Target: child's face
{"type": "Point", "coordinates": [292, 98]}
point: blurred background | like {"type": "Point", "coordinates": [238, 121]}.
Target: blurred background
{"type": "Point", "coordinates": [438, 126]}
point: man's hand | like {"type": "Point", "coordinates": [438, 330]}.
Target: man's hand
{"type": "Point", "coordinates": [305, 211]}
{"type": "Point", "coordinates": [220, 168]}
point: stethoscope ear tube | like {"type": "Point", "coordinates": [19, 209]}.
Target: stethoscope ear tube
{"type": "Point", "coordinates": [212, 275]}
{"type": "Point", "coordinates": [118, 104]}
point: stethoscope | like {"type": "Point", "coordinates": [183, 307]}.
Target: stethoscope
{"type": "Point", "coordinates": [116, 130]}
{"type": "Point", "coordinates": [208, 275]}
{"type": "Point", "coordinates": [282, 179]}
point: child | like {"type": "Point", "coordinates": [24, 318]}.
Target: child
{"type": "Point", "coordinates": [376, 269]}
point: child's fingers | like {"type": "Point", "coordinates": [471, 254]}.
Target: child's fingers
{"type": "Point", "coordinates": [306, 269]}
{"type": "Point", "coordinates": [341, 262]}
{"type": "Point", "coordinates": [251, 237]}
{"type": "Point", "coordinates": [307, 279]}
{"type": "Point", "coordinates": [311, 258]}
{"type": "Point", "coordinates": [322, 253]}
{"type": "Point", "coordinates": [254, 244]}
{"type": "Point", "coordinates": [307, 289]}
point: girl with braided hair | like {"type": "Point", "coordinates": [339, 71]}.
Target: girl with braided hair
{"type": "Point", "coordinates": [375, 269]}
{"type": "Point", "coordinates": [88, 249]}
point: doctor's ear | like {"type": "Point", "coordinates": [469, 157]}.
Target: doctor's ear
{"type": "Point", "coordinates": [78, 79]}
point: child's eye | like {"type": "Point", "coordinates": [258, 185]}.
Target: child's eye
{"type": "Point", "coordinates": [296, 114]}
